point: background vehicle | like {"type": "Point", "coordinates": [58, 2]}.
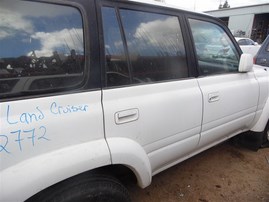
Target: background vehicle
{"type": "Point", "coordinates": [248, 45]}
{"type": "Point", "coordinates": [262, 57]}
{"type": "Point", "coordinates": [93, 91]}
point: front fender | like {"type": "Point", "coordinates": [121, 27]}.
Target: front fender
{"type": "Point", "coordinates": [263, 119]}
{"type": "Point", "coordinates": [262, 115]}
{"type": "Point", "coordinates": [127, 152]}
{"type": "Point", "coordinates": [27, 178]}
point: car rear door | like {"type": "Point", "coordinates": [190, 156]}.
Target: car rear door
{"type": "Point", "coordinates": [149, 96]}
{"type": "Point", "coordinates": [230, 97]}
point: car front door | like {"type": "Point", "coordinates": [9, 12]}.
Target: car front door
{"type": "Point", "coordinates": [230, 97]}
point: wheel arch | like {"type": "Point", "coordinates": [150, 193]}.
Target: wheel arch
{"type": "Point", "coordinates": [262, 120]}
{"type": "Point", "coordinates": [129, 153]}
{"type": "Point", "coordinates": [110, 171]}
{"type": "Point", "coordinates": [38, 173]}
{"type": "Point", "coordinates": [46, 170]}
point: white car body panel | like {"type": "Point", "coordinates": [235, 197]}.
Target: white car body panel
{"type": "Point", "coordinates": [128, 152]}
{"type": "Point", "coordinates": [172, 154]}
{"type": "Point", "coordinates": [233, 107]}
{"type": "Point", "coordinates": [169, 113]}
{"type": "Point", "coordinates": [262, 115]}
{"type": "Point", "coordinates": [42, 133]}
{"type": "Point", "coordinates": [262, 119]}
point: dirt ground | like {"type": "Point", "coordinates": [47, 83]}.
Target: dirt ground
{"type": "Point", "coordinates": [223, 173]}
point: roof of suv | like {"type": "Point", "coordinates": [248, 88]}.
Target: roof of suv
{"type": "Point", "coordinates": [158, 3]}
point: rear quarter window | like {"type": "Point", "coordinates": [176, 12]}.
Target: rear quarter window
{"type": "Point", "coordinates": [42, 47]}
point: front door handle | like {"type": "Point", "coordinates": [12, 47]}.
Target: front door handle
{"type": "Point", "coordinates": [126, 116]}
{"type": "Point", "coordinates": [213, 97]}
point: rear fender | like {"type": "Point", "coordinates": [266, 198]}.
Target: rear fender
{"type": "Point", "coordinates": [35, 174]}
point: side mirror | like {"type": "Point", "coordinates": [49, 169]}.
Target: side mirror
{"type": "Point", "coordinates": [246, 63]}
{"type": "Point", "coordinates": [256, 44]}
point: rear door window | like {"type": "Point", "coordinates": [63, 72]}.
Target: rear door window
{"type": "Point", "coordinates": [142, 47]}
{"type": "Point", "coordinates": [155, 45]}
{"type": "Point", "coordinates": [42, 47]}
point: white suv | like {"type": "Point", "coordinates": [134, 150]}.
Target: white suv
{"type": "Point", "coordinates": [92, 90]}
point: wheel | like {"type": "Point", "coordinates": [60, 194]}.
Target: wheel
{"type": "Point", "coordinates": [92, 189]}
{"type": "Point", "coordinates": [253, 140]}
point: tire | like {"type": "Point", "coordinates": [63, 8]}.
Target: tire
{"type": "Point", "coordinates": [266, 137]}
{"type": "Point", "coordinates": [92, 189]}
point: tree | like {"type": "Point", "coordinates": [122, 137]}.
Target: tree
{"type": "Point", "coordinates": [225, 5]}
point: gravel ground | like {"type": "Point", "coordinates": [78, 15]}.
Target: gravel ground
{"type": "Point", "coordinates": [223, 173]}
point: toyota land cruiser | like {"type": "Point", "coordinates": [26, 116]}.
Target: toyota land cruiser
{"type": "Point", "coordinates": [94, 89]}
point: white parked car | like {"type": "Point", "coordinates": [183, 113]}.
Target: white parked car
{"type": "Point", "coordinates": [248, 45]}
{"type": "Point", "coordinates": [92, 91]}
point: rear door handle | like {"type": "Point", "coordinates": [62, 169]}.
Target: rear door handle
{"type": "Point", "coordinates": [126, 116]}
{"type": "Point", "coordinates": [213, 97]}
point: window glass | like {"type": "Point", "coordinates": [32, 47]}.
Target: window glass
{"type": "Point", "coordinates": [117, 72]}
{"type": "Point", "coordinates": [267, 49]}
{"type": "Point", "coordinates": [42, 47]}
{"type": "Point", "coordinates": [215, 51]}
{"type": "Point", "coordinates": [246, 42]}
{"type": "Point", "coordinates": [242, 42]}
{"type": "Point", "coordinates": [250, 42]}
{"type": "Point", "coordinates": [155, 46]}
